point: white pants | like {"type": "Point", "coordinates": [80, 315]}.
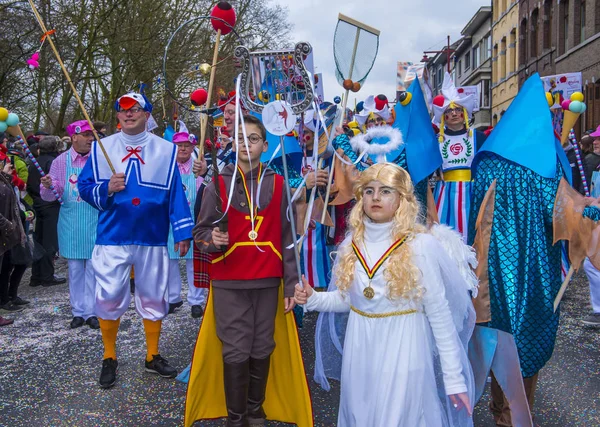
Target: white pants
{"type": "Point", "coordinates": [195, 296]}
{"type": "Point", "coordinates": [82, 288]}
{"type": "Point", "coordinates": [112, 265]}
{"type": "Point", "coordinates": [593, 275]}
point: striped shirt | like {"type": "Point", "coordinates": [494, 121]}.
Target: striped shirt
{"type": "Point", "coordinates": [58, 173]}
{"type": "Point", "coordinates": [186, 169]}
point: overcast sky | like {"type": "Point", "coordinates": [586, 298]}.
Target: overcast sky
{"type": "Point", "coordinates": [407, 29]}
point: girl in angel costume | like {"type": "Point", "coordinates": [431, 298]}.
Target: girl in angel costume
{"type": "Point", "coordinates": [406, 290]}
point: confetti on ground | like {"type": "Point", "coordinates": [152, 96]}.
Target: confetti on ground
{"type": "Point", "coordinates": [49, 372]}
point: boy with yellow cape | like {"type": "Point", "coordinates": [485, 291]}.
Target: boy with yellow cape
{"type": "Point", "coordinates": [259, 374]}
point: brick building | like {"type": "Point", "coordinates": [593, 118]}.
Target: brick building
{"type": "Point", "coordinates": [563, 36]}
{"type": "Point", "coordinates": [538, 31]}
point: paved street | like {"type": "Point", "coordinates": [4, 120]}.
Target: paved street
{"type": "Point", "coordinates": [49, 373]}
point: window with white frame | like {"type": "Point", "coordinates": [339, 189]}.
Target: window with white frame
{"type": "Point", "coordinates": [484, 88]}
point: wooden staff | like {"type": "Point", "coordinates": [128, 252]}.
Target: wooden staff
{"type": "Point", "coordinates": [343, 116]}
{"type": "Point", "coordinates": [211, 82]}
{"type": "Point", "coordinates": [68, 77]}
{"type": "Point", "coordinates": [563, 288]}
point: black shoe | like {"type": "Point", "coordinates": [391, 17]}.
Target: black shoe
{"type": "Point", "coordinates": [77, 322]}
{"type": "Point", "coordinates": [33, 283]}
{"type": "Point", "coordinates": [174, 306]}
{"type": "Point", "coordinates": [108, 376]}
{"type": "Point", "coordinates": [9, 307]}
{"type": "Point", "coordinates": [160, 366]}
{"type": "Point", "coordinates": [92, 322]}
{"type": "Point", "coordinates": [197, 311]}
{"type": "Point", "coordinates": [19, 301]}
{"type": "Point", "coordinates": [51, 282]}
{"type": "Point", "coordinates": [59, 280]}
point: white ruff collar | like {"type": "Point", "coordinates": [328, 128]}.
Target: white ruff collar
{"type": "Point", "coordinates": [361, 143]}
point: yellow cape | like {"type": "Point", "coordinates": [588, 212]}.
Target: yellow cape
{"type": "Point", "coordinates": [287, 397]}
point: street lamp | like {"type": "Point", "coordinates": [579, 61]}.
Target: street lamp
{"type": "Point", "coordinates": [447, 51]}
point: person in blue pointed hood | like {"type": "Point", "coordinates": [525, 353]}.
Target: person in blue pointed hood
{"type": "Point", "coordinates": [417, 152]}
{"type": "Point", "coordinates": [458, 145]}
{"type": "Point", "coordinates": [516, 174]}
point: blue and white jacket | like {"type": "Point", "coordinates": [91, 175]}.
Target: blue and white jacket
{"type": "Point", "coordinates": [153, 199]}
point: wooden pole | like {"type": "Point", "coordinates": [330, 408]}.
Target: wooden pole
{"type": "Point", "coordinates": [344, 103]}
{"type": "Point", "coordinates": [448, 55]}
{"type": "Point", "coordinates": [288, 192]}
{"type": "Point", "coordinates": [68, 77]}
{"type": "Point", "coordinates": [563, 288]}
{"type": "Point", "coordinates": [204, 117]}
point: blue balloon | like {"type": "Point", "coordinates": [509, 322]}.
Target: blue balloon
{"type": "Point", "coordinates": [3, 126]}
{"type": "Point", "coordinates": [12, 120]}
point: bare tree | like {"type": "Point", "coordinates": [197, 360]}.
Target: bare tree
{"type": "Point", "coordinates": [110, 46]}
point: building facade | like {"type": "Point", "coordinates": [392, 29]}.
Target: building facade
{"type": "Point", "coordinates": [563, 36]}
{"type": "Point", "coordinates": [438, 65]}
{"type": "Point", "coordinates": [578, 39]}
{"type": "Point", "coordinates": [538, 32]}
{"type": "Point", "coordinates": [473, 63]}
{"type": "Point", "coordinates": [505, 61]}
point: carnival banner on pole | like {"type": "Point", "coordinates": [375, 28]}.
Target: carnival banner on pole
{"type": "Point", "coordinates": [406, 72]}
{"type": "Point", "coordinates": [471, 90]}
{"type": "Point", "coordinates": [562, 85]}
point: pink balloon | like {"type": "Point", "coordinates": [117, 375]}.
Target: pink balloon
{"type": "Point", "coordinates": [565, 104]}
{"type": "Point", "coordinates": [33, 64]}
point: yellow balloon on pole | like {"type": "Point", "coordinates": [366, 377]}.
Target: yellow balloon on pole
{"type": "Point", "coordinates": [205, 68]}
{"type": "Point", "coordinates": [577, 96]}
{"type": "Point", "coordinates": [3, 114]}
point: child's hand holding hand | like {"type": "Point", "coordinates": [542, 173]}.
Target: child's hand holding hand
{"type": "Point", "coordinates": [303, 292]}
{"type": "Point", "coordinates": [461, 400]}
{"type": "Point", "coordinates": [220, 238]}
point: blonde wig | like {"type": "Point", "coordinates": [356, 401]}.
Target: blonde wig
{"type": "Point", "coordinates": [401, 274]}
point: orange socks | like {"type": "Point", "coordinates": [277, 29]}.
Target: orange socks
{"type": "Point", "coordinates": [109, 329]}
{"type": "Point", "coordinates": [152, 329]}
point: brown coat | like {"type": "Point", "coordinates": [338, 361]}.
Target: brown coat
{"type": "Point", "coordinates": [11, 229]}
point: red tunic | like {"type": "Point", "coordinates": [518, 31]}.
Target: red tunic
{"type": "Point", "coordinates": [243, 259]}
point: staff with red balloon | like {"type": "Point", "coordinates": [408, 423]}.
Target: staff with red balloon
{"type": "Point", "coordinates": [224, 23]}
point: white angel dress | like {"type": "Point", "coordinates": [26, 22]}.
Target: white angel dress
{"type": "Point", "coordinates": [397, 354]}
